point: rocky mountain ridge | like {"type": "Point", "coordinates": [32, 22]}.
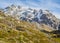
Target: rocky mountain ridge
{"type": "Point", "coordinates": [32, 15]}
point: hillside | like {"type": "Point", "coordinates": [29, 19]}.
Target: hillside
{"type": "Point", "coordinates": [17, 31]}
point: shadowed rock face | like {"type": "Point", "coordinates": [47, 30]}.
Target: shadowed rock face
{"type": "Point", "coordinates": [52, 22]}
{"type": "Point", "coordinates": [59, 27]}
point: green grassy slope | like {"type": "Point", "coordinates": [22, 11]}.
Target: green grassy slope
{"type": "Point", "coordinates": [15, 31]}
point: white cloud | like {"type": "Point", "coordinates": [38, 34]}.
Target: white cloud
{"type": "Point", "coordinates": [56, 14]}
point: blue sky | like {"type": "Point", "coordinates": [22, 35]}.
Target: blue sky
{"type": "Point", "coordinates": [52, 5]}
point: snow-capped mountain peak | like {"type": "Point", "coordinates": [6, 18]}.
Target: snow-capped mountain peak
{"type": "Point", "coordinates": [33, 15]}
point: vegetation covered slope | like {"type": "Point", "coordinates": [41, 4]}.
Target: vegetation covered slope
{"type": "Point", "coordinates": [15, 31]}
